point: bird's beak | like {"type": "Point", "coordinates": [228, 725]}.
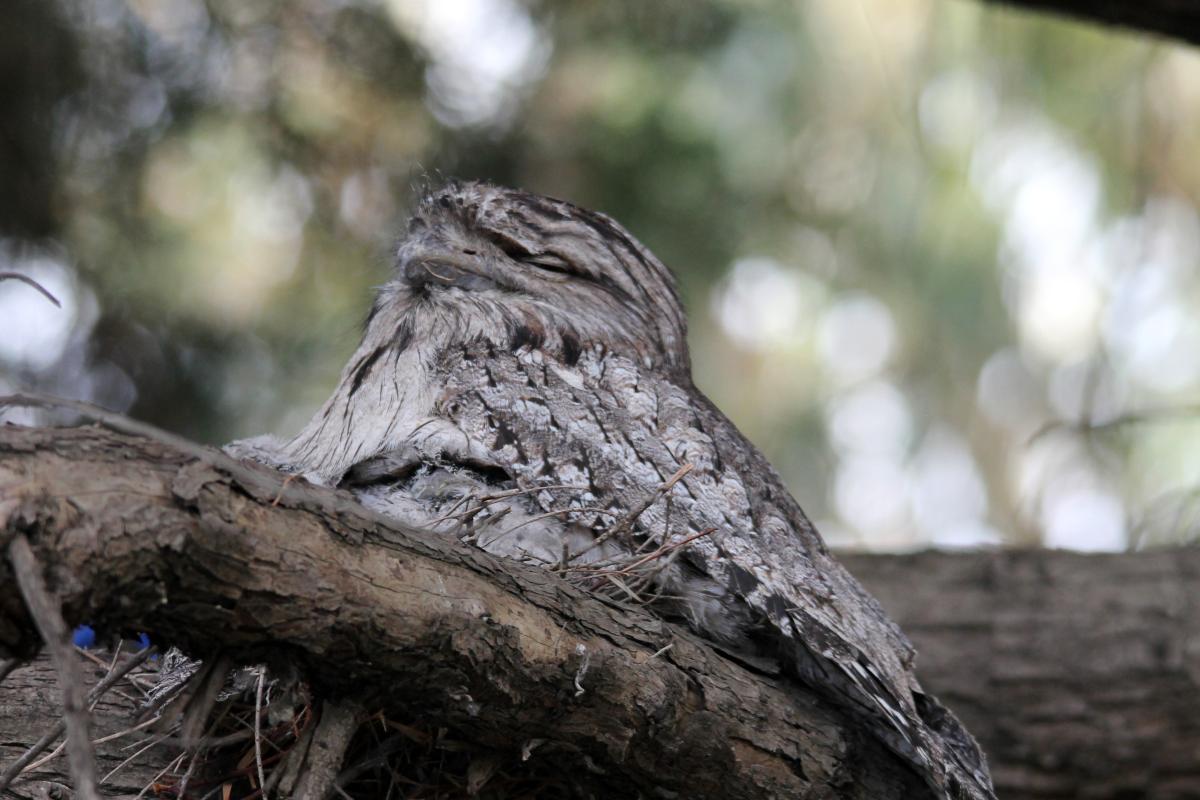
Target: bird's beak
{"type": "Point", "coordinates": [431, 271]}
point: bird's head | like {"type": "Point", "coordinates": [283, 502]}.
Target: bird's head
{"type": "Point", "coordinates": [529, 262]}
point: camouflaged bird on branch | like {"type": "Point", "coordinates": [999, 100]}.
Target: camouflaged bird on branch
{"type": "Point", "coordinates": [524, 382]}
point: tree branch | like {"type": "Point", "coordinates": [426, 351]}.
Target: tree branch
{"type": "Point", "coordinates": [1178, 19]}
{"type": "Point", "coordinates": [47, 617]}
{"type": "Point", "coordinates": [208, 553]}
{"type": "Point", "coordinates": [1078, 673]}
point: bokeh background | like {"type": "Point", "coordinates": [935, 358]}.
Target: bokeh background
{"type": "Point", "coordinates": [940, 257]}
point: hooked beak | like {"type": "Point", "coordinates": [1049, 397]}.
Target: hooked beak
{"type": "Point", "coordinates": [428, 271]}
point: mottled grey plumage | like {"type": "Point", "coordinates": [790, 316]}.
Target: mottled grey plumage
{"type": "Point", "coordinates": [532, 350]}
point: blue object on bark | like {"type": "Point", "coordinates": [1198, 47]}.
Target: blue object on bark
{"type": "Point", "coordinates": [84, 636]}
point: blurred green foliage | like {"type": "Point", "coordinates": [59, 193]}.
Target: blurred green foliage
{"type": "Point", "coordinates": [935, 253]}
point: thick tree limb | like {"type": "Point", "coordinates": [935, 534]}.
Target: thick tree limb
{"type": "Point", "coordinates": [209, 553]}
{"type": "Point", "coordinates": [1178, 19]}
{"type": "Point", "coordinates": [1079, 674]}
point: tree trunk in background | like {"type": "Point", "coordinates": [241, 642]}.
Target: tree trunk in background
{"type": "Point", "coordinates": [1079, 674]}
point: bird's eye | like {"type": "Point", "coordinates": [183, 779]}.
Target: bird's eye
{"type": "Point", "coordinates": [550, 263]}
{"type": "Point", "coordinates": [510, 247]}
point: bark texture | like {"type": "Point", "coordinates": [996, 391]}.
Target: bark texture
{"type": "Point", "coordinates": [1079, 674]}
{"type": "Point", "coordinates": [210, 553]}
{"type": "Point", "coordinates": [31, 703]}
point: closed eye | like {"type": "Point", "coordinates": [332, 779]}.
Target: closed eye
{"type": "Point", "coordinates": [544, 261]}
{"type": "Point", "coordinates": [510, 247]}
{"type": "Point", "coordinates": [550, 263]}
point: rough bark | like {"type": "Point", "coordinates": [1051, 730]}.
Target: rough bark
{"type": "Point", "coordinates": [1079, 674]}
{"type": "Point", "coordinates": [1178, 19]}
{"type": "Point", "coordinates": [31, 704]}
{"type": "Point", "coordinates": [205, 552]}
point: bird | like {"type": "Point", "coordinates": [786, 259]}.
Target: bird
{"type": "Point", "coordinates": [524, 381]}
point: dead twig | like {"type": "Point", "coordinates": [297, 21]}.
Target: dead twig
{"type": "Point", "coordinates": [556, 513]}
{"type": "Point", "coordinates": [187, 775]}
{"type": "Point", "coordinates": [197, 699]}
{"type": "Point", "coordinates": [373, 760]}
{"type": "Point", "coordinates": [626, 522]}
{"type": "Point", "coordinates": [18, 766]}
{"type": "Point", "coordinates": [1144, 417]}
{"type": "Point", "coordinates": [153, 742]}
{"type": "Point", "coordinates": [47, 616]}
{"type": "Point", "coordinates": [211, 742]}
{"type": "Point", "coordinates": [597, 576]}
{"type": "Point", "coordinates": [258, 704]}
{"type": "Point", "coordinates": [171, 767]}
{"type": "Point", "coordinates": [283, 487]}
{"type": "Point", "coordinates": [661, 650]}
{"type": "Point", "coordinates": [26, 279]}
{"type": "Point", "coordinates": [658, 553]}
{"type": "Point", "coordinates": [483, 501]}
{"type": "Point", "coordinates": [44, 760]}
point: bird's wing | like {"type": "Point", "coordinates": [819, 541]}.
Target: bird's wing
{"type": "Point", "coordinates": [620, 432]}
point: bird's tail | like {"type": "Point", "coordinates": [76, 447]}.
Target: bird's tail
{"type": "Point", "coordinates": [922, 732]}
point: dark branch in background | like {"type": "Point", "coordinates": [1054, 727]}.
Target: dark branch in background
{"type": "Point", "coordinates": [1176, 19]}
{"type": "Point", "coordinates": [1079, 674]}
{"type": "Point", "coordinates": [211, 553]}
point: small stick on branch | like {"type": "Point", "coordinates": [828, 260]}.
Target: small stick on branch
{"type": "Point", "coordinates": [47, 616]}
{"type": "Point", "coordinates": [666, 548]}
{"type": "Point", "coordinates": [494, 497]}
{"type": "Point", "coordinates": [170, 767]}
{"type": "Point", "coordinates": [258, 706]}
{"type": "Point", "coordinates": [621, 525]}
{"type": "Point", "coordinates": [44, 760]}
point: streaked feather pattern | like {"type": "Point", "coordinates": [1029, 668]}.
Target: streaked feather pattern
{"type": "Point", "coordinates": [534, 352]}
